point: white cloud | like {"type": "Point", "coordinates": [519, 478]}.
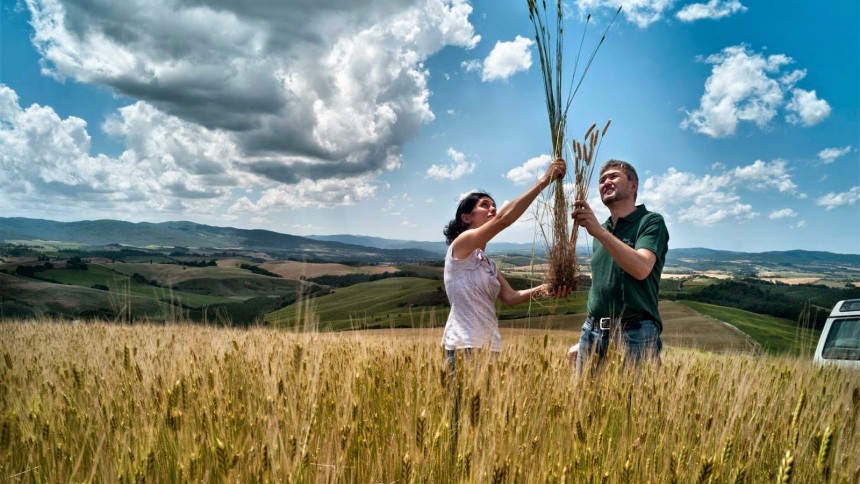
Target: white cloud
{"type": "Point", "coordinates": [308, 193]}
{"type": "Point", "coordinates": [453, 171]}
{"type": "Point", "coordinates": [320, 90]}
{"type": "Point", "coordinates": [467, 193]}
{"type": "Point", "coordinates": [472, 65]}
{"type": "Point", "coordinates": [641, 12]}
{"type": "Point", "coordinates": [761, 175]}
{"type": "Point", "coordinates": [783, 213]}
{"type": "Point", "coordinates": [530, 171]}
{"type": "Point", "coordinates": [714, 9]}
{"type": "Point", "coordinates": [399, 206]}
{"type": "Point", "coordinates": [746, 86]}
{"type": "Point", "coordinates": [799, 225]}
{"type": "Point", "coordinates": [834, 200]}
{"type": "Point", "coordinates": [679, 188]}
{"type": "Point", "coordinates": [716, 208]}
{"type": "Point", "coordinates": [169, 165]}
{"type": "Point", "coordinates": [305, 228]}
{"type": "Point", "coordinates": [247, 105]}
{"type": "Point", "coordinates": [806, 108]}
{"type": "Point", "coordinates": [703, 200]}
{"type": "Point", "coordinates": [829, 155]}
{"type": "Point", "coordinates": [507, 58]}
{"type": "Point", "coordinates": [714, 198]}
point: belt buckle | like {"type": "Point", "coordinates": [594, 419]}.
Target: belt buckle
{"type": "Point", "coordinates": [605, 324]}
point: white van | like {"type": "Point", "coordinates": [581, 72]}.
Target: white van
{"type": "Point", "coordinates": [840, 339]}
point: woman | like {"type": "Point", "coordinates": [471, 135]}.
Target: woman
{"type": "Point", "coordinates": [472, 280]}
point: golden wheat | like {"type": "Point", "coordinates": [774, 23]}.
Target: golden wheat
{"type": "Point", "coordinates": [225, 405]}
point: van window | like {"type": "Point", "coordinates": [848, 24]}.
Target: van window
{"type": "Point", "coordinates": [851, 305]}
{"type": "Point", "coordinates": [843, 340]}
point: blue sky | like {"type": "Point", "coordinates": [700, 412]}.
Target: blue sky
{"type": "Point", "coordinates": [373, 117]}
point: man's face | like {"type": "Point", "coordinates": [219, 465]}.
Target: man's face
{"type": "Point", "coordinates": [614, 186]}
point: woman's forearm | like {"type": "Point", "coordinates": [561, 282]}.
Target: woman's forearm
{"type": "Point", "coordinates": [511, 212]}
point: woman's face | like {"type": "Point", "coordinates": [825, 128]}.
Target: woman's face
{"type": "Point", "coordinates": [484, 210]}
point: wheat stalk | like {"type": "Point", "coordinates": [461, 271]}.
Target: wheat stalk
{"type": "Point", "coordinates": [561, 249]}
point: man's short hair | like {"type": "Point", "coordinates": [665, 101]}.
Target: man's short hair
{"type": "Point", "coordinates": [628, 170]}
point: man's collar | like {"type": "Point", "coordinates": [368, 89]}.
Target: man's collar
{"type": "Point", "coordinates": [636, 214]}
{"type": "Point", "coordinates": [631, 217]}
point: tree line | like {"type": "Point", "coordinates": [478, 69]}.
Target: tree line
{"type": "Point", "coordinates": [809, 308]}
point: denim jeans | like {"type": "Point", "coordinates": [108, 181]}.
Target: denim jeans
{"type": "Point", "coordinates": [451, 358]}
{"type": "Point", "coordinates": [637, 344]}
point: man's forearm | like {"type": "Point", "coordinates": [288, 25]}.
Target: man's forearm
{"type": "Point", "coordinates": [631, 261]}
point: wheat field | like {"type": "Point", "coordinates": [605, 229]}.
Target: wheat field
{"type": "Point", "coordinates": [182, 403]}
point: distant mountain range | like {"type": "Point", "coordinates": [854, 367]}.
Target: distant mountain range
{"type": "Point", "coordinates": [102, 233]}
{"type": "Point", "coordinates": [439, 247]}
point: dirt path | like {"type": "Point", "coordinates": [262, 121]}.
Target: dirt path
{"type": "Point", "coordinates": [686, 328]}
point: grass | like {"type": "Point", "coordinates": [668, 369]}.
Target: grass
{"type": "Point", "coordinates": [773, 334]}
{"type": "Point", "coordinates": [688, 284]}
{"type": "Point", "coordinates": [227, 282]}
{"type": "Point", "coordinates": [23, 297]}
{"type": "Point", "coordinates": [120, 283]}
{"type": "Point", "coordinates": [180, 403]}
{"type": "Point", "coordinates": [405, 302]}
{"type": "Point", "coordinates": [575, 303]}
{"type": "Point", "coordinates": [382, 303]}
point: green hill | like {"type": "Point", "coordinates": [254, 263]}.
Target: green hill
{"type": "Point", "coordinates": [222, 282]}
{"type": "Point", "coordinates": [402, 302]}
{"type": "Point", "coordinates": [801, 302]}
{"type": "Point", "coordinates": [393, 302]}
{"type": "Point", "coordinates": [775, 335]}
{"type": "Point", "coordinates": [96, 276]}
{"type": "Point", "coordinates": [28, 298]}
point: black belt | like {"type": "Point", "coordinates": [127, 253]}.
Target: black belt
{"type": "Point", "coordinates": [608, 324]}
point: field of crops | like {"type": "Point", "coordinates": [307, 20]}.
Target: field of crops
{"type": "Point", "coordinates": [189, 403]}
{"type": "Point", "coordinates": [774, 334]}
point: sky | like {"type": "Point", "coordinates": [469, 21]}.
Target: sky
{"type": "Point", "coordinates": [373, 117]}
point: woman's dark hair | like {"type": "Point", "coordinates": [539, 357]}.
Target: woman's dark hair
{"type": "Point", "coordinates": [456, 226]}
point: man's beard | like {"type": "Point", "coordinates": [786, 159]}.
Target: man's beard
{"type": "Point", "coordinates": [616, 196]}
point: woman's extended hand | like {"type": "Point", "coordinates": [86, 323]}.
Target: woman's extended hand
{"type": "Point", "coordinates": [556, 169]}
{"type": "Point", "coordinates": [550, 292]}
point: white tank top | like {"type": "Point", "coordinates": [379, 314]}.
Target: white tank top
{"type": "Point", "coordinates": [472, 286]}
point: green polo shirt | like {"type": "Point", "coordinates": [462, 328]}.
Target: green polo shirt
{"type": "Point", "coordinates": [614, 293]}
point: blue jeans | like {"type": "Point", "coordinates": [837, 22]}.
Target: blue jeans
{"type": "Point", "coordinates": [637, 344]}
{"type": "Point", "coordinates": [451, 358]}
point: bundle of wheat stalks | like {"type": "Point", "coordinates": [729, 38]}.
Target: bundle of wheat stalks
{"type": "Point", "coordinates": [561, 249]}
{"type": "Point", "coordinates": [584, 153]}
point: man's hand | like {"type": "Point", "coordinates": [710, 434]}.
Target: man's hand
{"type": "Point", "coordinates": [584, 216]}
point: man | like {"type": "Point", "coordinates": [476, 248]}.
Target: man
{"type": "Point", "coordinates": [629, 253]}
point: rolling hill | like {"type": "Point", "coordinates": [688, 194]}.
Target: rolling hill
{"type": "Point", "coordinates": [113, 235]}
